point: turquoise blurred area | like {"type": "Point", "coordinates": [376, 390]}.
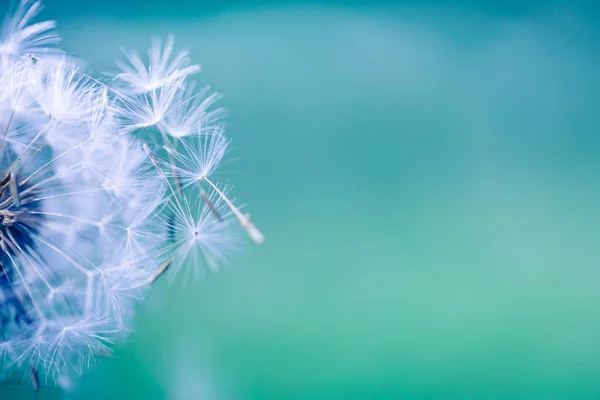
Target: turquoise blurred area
{"type": "Point", "coordinates": [427, 175]}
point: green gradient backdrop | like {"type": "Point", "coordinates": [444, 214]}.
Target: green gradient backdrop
{"type": "Point", "coordinates": [428, 181]}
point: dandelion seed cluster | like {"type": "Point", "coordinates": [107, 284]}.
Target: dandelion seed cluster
{"type": "Point", "coordinates": [105, 187]}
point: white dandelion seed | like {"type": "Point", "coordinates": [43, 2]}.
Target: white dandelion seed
{"type": "Point", "coordinates": [20, 37]}
{"type": "Point", "coordinates": [199, 156]}
{"type": "Point", "coordinates": [16, 82]}
{"type": "Point", "coordinates": [164, 67]}
{"type": "Point", "coordinates": [203, 236]}
{"type": "Point", "coordinates": [147, 109]}
{"type": "Point", "coordinates": [64, 93]}
{"type": "Point", "coordinates": [192, 113]}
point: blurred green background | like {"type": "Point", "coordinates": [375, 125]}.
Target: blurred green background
{"type": "Point", "coordinates": [427, 175]}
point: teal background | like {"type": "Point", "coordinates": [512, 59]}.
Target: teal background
{"type": "Point", "coordinates": [427, 177]}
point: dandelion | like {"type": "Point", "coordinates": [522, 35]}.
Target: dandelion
{"type": "Point", "coordinates": [21, 37]}
{"type": "Point", "coordinates": [201, 235]}
{"type": "Point", "coordinates": [163, 68]}
{"type": "Point", "coordinates": [105, 187]}
{"type": "Point", "coordinates": [147, 110]}
{"type": "Point", "coordinates": [192, 114]}
{"type": "Point", "coordinates": [63, 93]}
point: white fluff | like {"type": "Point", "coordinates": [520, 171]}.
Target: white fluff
{"type": "Point", "coordinates": [90, 216]}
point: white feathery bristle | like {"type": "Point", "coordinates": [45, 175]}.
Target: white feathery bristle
{"type": "Point", "coordinates": [192, 113]}
{"type": "Point", "coordinates": [21, 37]}
{"type": "Point", "coordinates": [164, 68]}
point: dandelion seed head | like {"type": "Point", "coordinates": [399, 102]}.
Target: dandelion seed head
{"type": "Point", "coordinates": [104, 188]}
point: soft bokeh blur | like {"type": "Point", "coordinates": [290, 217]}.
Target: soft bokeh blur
{"type": "Point", "coordinates": [427, 175]}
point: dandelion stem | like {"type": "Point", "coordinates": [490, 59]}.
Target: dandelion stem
{"type": "Point", "coordinates": [171, 159]}
{"type": "Point", "coordinates": [161, 271]}
{"type": "Point", "coordinates": [35, 379]}
{"type": "Point", "coordinates": [6, 179]}
{"type": "Point", "coordinates": [4, 184]}
{"type": "Point", "coordinates": [244, 219]}
{"type": "Point", "coordinates": [162, 173]}
{"type": "Point", "coordinates": [211, 206]}
{"type": "Point", "coordinates": [12, 114]}
{"type": "Point", "coordinates": [14, 190]}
